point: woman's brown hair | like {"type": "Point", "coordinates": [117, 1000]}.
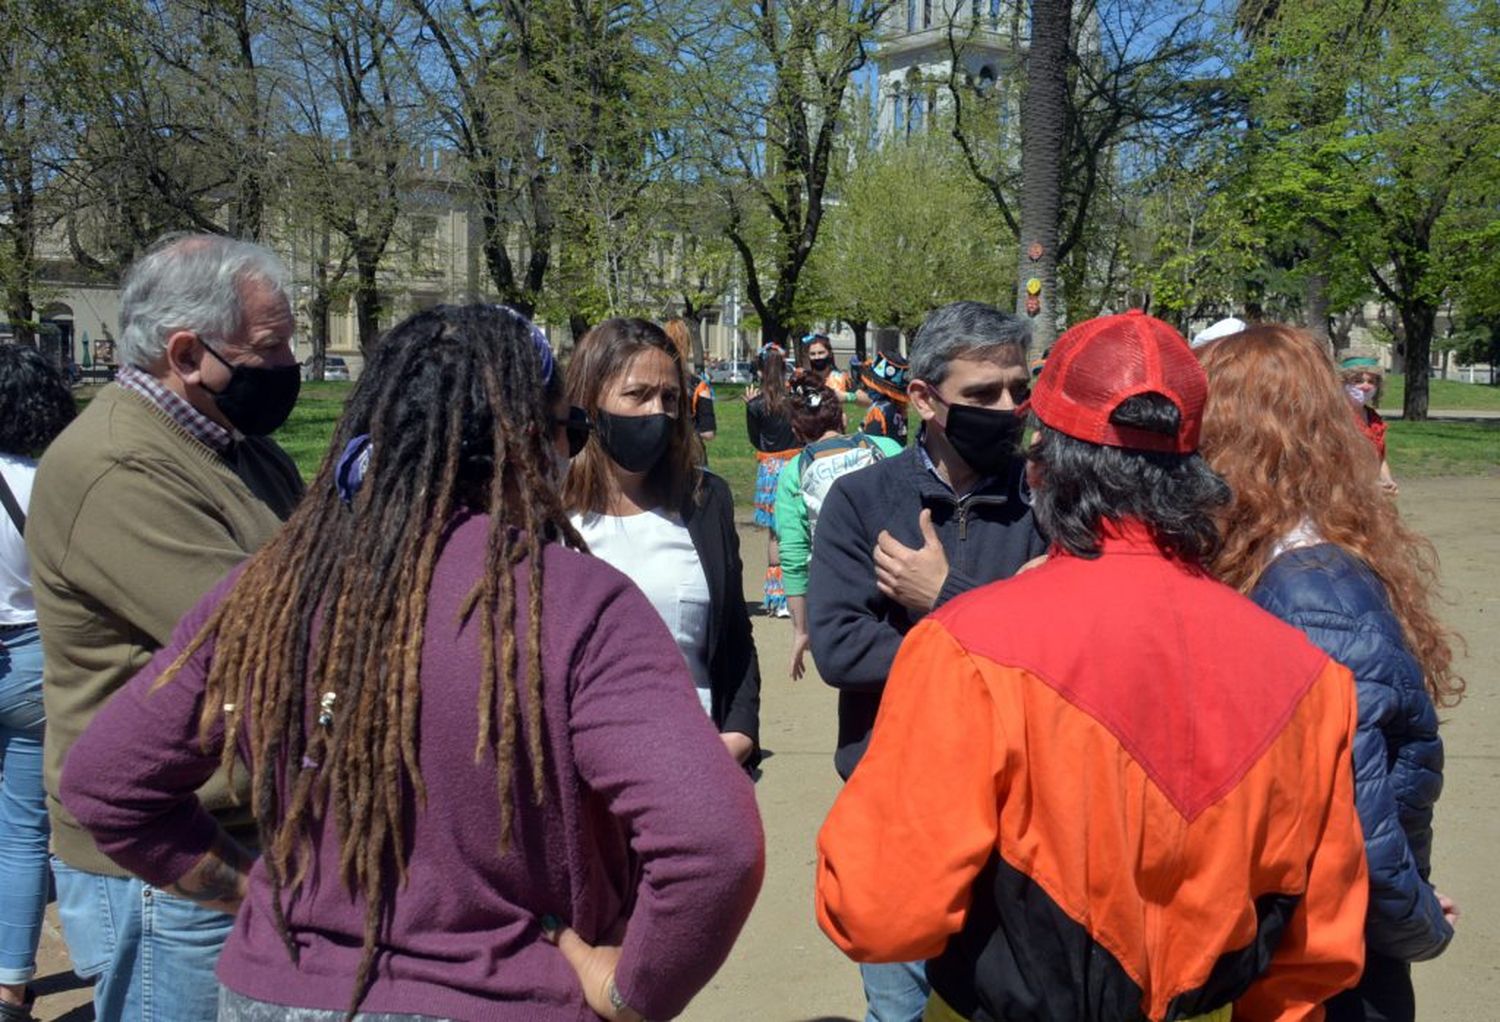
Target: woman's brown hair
{"type": "Point", "coordinates": [815, 408]}
{"type": "Point", "coordinates": [1280, 431]}
{"type": "Point", "coordinates": [598, 360]}
{"type": "Point", "coordinates": [681, 336]}
{"type": "Point", "coordinates": [771, 362]}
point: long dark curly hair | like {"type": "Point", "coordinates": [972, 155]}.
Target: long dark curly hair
{"type": "Point", "coordinates": [36, 402]}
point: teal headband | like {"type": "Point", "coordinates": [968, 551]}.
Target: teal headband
{"type": "Point", "coordinates": [1360, 362]}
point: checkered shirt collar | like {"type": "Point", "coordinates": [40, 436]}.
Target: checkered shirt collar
{"type": "Point", "coordinates": [199, 426]}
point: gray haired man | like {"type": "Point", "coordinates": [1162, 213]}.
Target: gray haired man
{"type": "Point", "coordinates": [907, 534]}
{"type": "Point", "coordinates": [154, 493]}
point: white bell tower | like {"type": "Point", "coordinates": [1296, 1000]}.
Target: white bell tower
{"type": "Point", "coordinates": [917, 43]}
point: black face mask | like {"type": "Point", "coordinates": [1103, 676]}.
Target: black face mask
{"type": "Point", "coordinates": [257, 399]}
{"type": "Point", "coordinates": [635, 442]}
{"type": "Point", "coordinates": [820, 365]}
{"type": "Point", "coordinates": [988, 439]}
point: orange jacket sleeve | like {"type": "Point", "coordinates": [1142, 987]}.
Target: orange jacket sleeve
{"type": "Point", "coordinates": [905, 840]}
{"type": "Point", "coordinates": [1323, 949]}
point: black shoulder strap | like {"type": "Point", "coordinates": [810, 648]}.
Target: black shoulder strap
{"type": "Point", "coordinates": [9, 500]}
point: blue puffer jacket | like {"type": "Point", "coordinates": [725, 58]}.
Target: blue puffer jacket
{"type": "Point", "coordinates": [1398, 757]}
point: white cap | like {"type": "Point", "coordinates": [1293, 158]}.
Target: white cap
{"type": "Point", "coordinates": [1223, 328]}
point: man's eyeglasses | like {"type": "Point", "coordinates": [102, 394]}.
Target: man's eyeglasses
{"type": "Point", "coordinates": [578, 427]}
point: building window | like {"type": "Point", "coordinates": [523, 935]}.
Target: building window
{"type": "Point", "coordinates": [911, 15]}
{"type": "Point", "coordinates": [926, 13]}
{"type": "Point", "coordinates": [424, 243]}
{"type": "Point", "coordinates": [994, 10]}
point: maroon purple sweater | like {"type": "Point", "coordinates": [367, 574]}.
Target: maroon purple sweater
{"type": "Point", "coordinates": [648, 835]}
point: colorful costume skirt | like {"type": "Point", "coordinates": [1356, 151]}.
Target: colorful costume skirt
{"type": "Point", "coordinates": [766, 480]}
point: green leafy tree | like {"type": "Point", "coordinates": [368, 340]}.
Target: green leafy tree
{"type": "Point", "coordinates": [1087, 79]}
{"type": "Point", "coordinates": [771, 86]}
{"type": "Point", "coordinates": [1396, 181]}
{"type": "Point", "coordinates": [912, 231]}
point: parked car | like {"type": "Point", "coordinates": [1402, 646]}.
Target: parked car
{"type": "Point", "coordinates": [730, 372]}
{"type": "Point", "coordinates": [335, 368]}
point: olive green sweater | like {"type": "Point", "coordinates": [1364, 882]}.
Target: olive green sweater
{"type": "Point", "coordinates": [132, 521]}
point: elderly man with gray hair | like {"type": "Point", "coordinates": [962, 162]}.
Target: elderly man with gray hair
{"type": "Point", "coordinates": [906, 534]}
{"type": "Point", "coordinates": [155, 492]}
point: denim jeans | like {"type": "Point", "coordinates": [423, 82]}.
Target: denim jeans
{"type": "Point", "coordinates": [896, 992]}
{"type": "Point", "coordinates": [23, 804]}
{"type": "Point", "coordinates": [151, 954]}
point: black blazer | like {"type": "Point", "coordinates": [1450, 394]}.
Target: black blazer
{"type": "Point", "coordinates": [733, 669]}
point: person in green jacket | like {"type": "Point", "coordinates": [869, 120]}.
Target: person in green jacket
{"type": "Point", "coordinates": [827, 454]}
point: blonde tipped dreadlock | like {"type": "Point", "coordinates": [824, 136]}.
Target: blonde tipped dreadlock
{"type": "Point", "coordinates": [337, 603]}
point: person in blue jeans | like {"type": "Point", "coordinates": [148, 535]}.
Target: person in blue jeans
{"type": "Point", "coordinates": [905, 535]}
{"type": "Point", "coordinates": [35, 404]}
{"type": "Point", "coordinates": [164, 484]}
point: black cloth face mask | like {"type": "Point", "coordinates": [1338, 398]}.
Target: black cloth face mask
{"type": "Point", "coordinates": [820, 365]}
{"type": "Point", "coordinates": [988, 439]}
{"type": "Point", "coordinates": [257, 399]}
{"type": "Point", "coordinates": [635, 442]}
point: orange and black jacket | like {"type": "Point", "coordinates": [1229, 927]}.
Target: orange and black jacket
{"type": "Point", "coordinates": [885, 418]}
{"type": "Point", "coordinates": [1107, 789]}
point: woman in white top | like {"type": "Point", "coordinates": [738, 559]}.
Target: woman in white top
{"type": "Point", "coordinates": [35, 405]}
{"type": "Point", "coordinates": [639, 495]}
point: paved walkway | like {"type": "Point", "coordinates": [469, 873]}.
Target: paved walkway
{"type": "Point", "coordinates": [784, 970]}
{"type": "Point", "coordinates": [1447, 414]}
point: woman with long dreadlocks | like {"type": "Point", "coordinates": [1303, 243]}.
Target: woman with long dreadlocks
{"type": "Point", "coordinates": [640, 498]}
{"type": "Point", "coordinates": [465, 739]}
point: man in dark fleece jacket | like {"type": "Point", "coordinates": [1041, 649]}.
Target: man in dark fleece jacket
{"type": "Point", "coordinates": [907, 534]}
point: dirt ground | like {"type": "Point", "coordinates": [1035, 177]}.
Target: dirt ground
{"type": "Point", "coordinates": [784, 970]}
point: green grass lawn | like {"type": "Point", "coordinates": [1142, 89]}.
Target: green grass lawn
{"type": "Point", "coordinates": [1445, 395]}
{"type": "Point", "coordinates": [1443, 448]}
{"type": "Point", "coordinates": [1416, 448]}
{"type": "Point", "coordinates": [305, 435]}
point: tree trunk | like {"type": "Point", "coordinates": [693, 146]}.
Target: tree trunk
{"type": "Point", "coordinates": [1043, 129]}
{"type": "Point", "coordinates": [367, 301]}
{"type": "Point", "coordinates": [578, 325]}
{"type": "Point", "coordinates": [772, 329]}
{"type": "Point", "coordinates": [1315, 294]}
{"type": "Point", "coordinates": [318, 310]}
{"type": "Point", "coordinates": [1418, 321]}
{"type": "Point", "coordinates": [250, 199]}
{"type": "Point", "coordinates": [861, 338]}
{"type": "Point", "coordinates": [19, 308]}
{"type": "Point", "coordinates": [693, 317]}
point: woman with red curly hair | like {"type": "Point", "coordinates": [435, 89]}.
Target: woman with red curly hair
{"type": "Point", "coordinates": [1310, 539]}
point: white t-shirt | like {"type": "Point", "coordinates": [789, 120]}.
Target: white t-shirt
{"type": "Point", "coordinates": [655, 550]}
{"type": "Point", "coordinates": [16, 605]}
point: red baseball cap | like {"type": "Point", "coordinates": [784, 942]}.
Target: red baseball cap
{"type": "Point", "coordinates": [1101, 362]}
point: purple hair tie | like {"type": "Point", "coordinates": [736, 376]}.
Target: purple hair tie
{"type": "Point", "coordinates": [352, 465]}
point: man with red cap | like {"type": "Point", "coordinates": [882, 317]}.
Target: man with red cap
{"type": "Point", "coordinates": [1143, 809]}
